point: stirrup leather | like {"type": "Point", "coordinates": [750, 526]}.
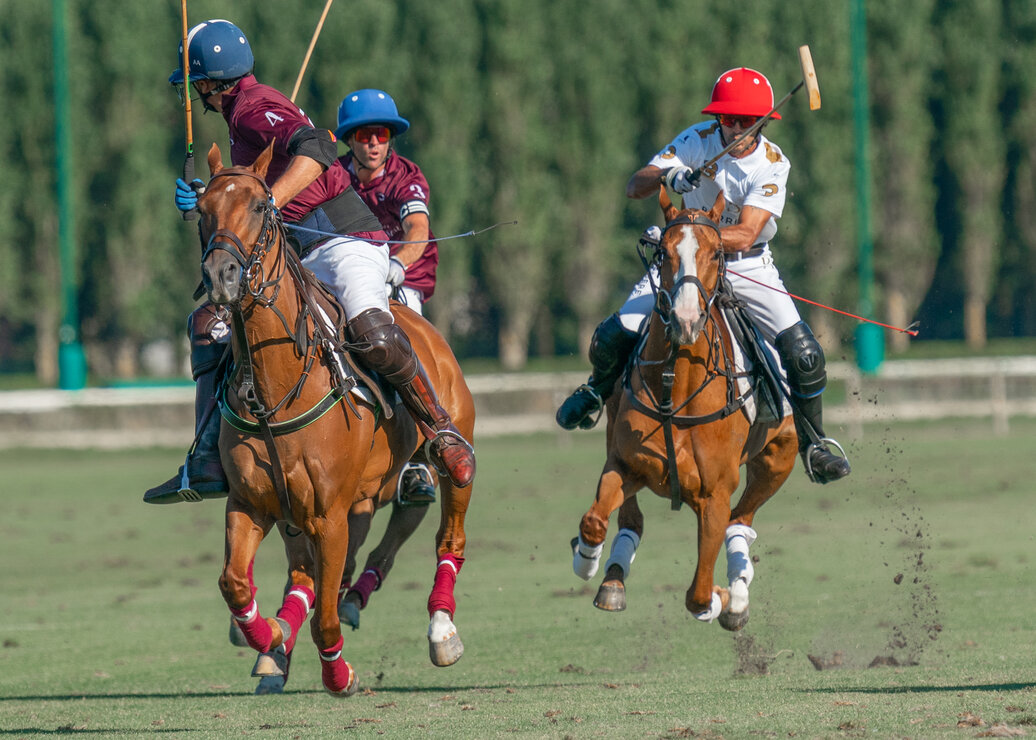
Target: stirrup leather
{"type": "Point", "coordinates": [821, 443]}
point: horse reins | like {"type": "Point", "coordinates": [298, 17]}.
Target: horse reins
{"type": "Point", "coordinates": [662, 409]}
{"type": "Point", "coordinates": [255, 284]}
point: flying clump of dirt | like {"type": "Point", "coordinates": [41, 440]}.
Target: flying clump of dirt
{"type": "Point", "coordinates": [914, 626]}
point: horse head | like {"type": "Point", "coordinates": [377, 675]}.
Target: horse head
{"type": "Point", "coordinates": [239, 226]}
{"type": "Point", "coordinates": [689, 259]}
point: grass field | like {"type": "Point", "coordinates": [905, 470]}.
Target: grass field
{"type": "Point", "coordinates": [910, 584]}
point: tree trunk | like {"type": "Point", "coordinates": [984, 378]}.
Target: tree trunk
{"type": "Point", "coordinates": [45, 358]}
{"type": "Point", "coordinates": [514, 344]}
{"type": "Point", "coordinates": [896, 306]}
{"type": "Point", "coordinates": [975, 322]}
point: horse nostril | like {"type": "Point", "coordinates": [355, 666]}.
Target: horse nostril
{"type": "Point", "coordinates": [230, 273]}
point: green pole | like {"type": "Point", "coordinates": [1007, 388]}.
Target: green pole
{"type": "Point", "coordinates": [870, 339]}
{"type": "Point", "coordinates": [71, 358]}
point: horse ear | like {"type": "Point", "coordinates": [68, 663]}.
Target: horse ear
{"type": "Point", "coordinates": [262, 162]}
{"type": "Point", "coordinates": [717, 207]}
{"type": "Point", "coordinates": [215, 158]}
{"type": "Point", "coordinates": [668, 209]}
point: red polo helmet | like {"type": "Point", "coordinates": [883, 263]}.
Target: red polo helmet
{"type": "Point", "coordinates": [741, 92]}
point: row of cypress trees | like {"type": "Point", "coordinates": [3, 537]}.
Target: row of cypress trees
{"type": "Point", "coordinates": [538, 112]}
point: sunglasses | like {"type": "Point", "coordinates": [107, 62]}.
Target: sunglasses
{"type": "Point", "coordinates": [380, 134]}
{"type": "Point", "coordinates": [730, 121]}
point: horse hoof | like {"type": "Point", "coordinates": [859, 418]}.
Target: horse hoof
{"type": "Point", "coordinates": [611, 597]}
{"type": "Point", "coordinates": [445, 652]}
{"type": "Point", "coordinates": [350, 688]}
{"type": "Point", "coordinates": [733, 622]}
{"type": "Point", "coordinates": [444, 645]}
{"type": "Point", "coordinates": [273, 663]}
{"type": "Point", "coordinates": [237, 635]}
{"type": "Point", "coordinates": [349, 613]}
{"type": "Point", "coordinates": [270, 685]}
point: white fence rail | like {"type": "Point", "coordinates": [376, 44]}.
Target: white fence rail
{"type": "Point", "coordinates": [524, 403]}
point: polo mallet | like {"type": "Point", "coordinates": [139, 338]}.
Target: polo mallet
{"type": "Point", "coordinates": [188, 162]}
{"type": "Point", "coordinates": [309, 51]}
{"type": "Point", "coordinates": [809, 80]}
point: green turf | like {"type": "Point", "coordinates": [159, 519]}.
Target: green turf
{"type": "Point", "coordinates": [111, 623]}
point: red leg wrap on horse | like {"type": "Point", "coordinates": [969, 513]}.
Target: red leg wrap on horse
{"type": "Point", "coordinates": [445, 579]}
{"type": "Point", "coordinates": [334, 671]}
{"type": "Point", "coordinates": [257, 630]}
{"type": "Point", "coordinates": [297, 603]}
{"type": "Point", "coordinates": [367, 584]}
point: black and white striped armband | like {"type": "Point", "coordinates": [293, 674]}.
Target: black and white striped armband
{"type": "Point", "coordinates": [411, 207]}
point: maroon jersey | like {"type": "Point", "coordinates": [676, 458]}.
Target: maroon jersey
{"type": "Point", "coordinates": [400, 189]}
{"type": "Point", "coordinates": [256, 115]}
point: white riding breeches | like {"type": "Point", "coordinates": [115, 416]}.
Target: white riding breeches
{"type": "Point", "coordinates": [755, 280]}
{"type": "Point", "coordinates": [356, 270]}
{"type": "Point", "coordinates": [411, 298]}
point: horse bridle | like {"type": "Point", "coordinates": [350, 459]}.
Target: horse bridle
{"type": "Point", "coordinates": [251, 262]}
{"type": "Point", "coordinates": [253, 283]}
{"type": "Point", "coordinates": [664, 298]}
{"type": "Point", "coordinates": [664, 409]}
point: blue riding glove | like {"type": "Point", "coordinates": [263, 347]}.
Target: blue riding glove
{"type": "Point", "coordinates": [186, 196]}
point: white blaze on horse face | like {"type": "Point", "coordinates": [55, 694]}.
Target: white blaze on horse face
{"type": "Point", "coordinates": [686, 315]}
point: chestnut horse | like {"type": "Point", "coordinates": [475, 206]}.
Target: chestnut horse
{"type": "Point", "coordinates": [680, 427]}
{"type": "Point", "coordinates": [304, 451]}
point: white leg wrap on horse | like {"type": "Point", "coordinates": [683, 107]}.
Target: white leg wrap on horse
{"type": "Point", "coordinates": [739, 563]}
{"type": "Point", "coordinates": [585, 559]}
{"type": "Point", "coordinates": [441, 627]}
{"type": "Point", "coordinates": [712, 612]}
{"type": "Point", "coordinates": [624, 550]}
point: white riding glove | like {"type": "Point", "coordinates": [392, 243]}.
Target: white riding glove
{"type": "Point", "coordinates": [651, 237]}
{"type": "Point", "coordinates": [682, 179]}
{"type": "Point", "coordinates": [396, 273]}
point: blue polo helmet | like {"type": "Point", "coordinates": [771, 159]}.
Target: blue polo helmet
{"type": "Point", "coordinates": [216, 50]}
{"type": "Point", "coordinates": [366, 107]}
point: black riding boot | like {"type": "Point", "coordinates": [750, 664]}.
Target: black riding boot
{"type": "Point", "coordinates": [803, 360]}
{"type": "Point", "coordinates": [201, 476]}
{"type": "Point", "coordinates": [610, 350]}
{"type": "Point", "coordinates": [822, 465]}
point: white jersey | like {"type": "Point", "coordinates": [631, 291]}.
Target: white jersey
{"type": "Point", "coordinates": [760, 179]}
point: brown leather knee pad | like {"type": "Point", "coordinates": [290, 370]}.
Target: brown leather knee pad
{"type": "Point", "coordinates": [383, 346]}
{"type": "Point", "coordinates": [205, 327]}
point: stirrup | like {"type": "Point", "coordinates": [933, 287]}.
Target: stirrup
{"type": "Point", "coordinates": [421, 472]}
{"type": "Point", "coordinates": [590, 418]}
{"type": "Point", "coordinates": [824, 443]}
{"type": "Point", "coordinates": [436, 460]}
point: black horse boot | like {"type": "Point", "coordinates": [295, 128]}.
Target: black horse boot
{"type": "Point", "coordinates": [803, 360]}
{"type": "Point", "coordinates": [383, 346]}
{"type": "Point", "coordinates": [610, 350]}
